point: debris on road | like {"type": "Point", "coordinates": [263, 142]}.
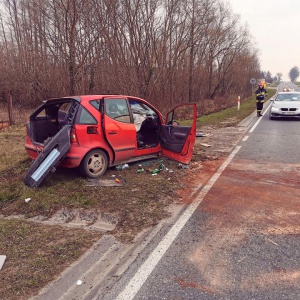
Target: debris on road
{"type": "Point", "coordinates": [182, 166]}
{"type": "Point", "coordinates": [200, 134]}
{"type": "Point", "coordinates": [2, 260]}
{"type": "Point", "coordinates": [159, 169]}
{"type": "Point", "coordinates": [122, 167]}
{"type": "Point", "coordinates": [205, 145]}
{"type": "Point", "coordinates": [106, 182]}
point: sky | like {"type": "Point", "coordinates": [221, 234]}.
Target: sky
{"type": "Point", "coordinates": [274, 25]}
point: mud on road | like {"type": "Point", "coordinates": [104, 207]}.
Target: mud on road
{"type": "Point", "coordinates": [248, 245]}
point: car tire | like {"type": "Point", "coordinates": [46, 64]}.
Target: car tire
{"type": "Point", "coordinates": [94, 164]}
{"type": "Point", "coordinates": [270, 116]}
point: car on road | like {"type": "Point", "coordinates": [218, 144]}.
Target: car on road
{"type": "Point", "coordinates": [285, 104]}
{"type": "Point", "coordinates": [95, 132]}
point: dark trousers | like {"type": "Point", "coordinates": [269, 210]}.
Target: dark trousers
{"type": "Point", "coordinates": [259, 106]}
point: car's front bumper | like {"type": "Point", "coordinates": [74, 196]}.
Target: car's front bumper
{"type": "Point", "coordinates": [278, 113]}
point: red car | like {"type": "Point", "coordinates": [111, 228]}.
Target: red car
{"type": "Point", "coordinates": [95, 132]}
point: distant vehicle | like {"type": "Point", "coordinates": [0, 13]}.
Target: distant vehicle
{"type": "Point", "coordinates": [95, 132]}
{"type": "Point", "coordinates": [286, 104]}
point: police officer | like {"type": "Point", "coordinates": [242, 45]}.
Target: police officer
{"type": "Point", "coordinates": [261, 93]}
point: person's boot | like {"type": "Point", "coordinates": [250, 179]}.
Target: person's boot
{"type": "Point", "coordinates": [258, 114]}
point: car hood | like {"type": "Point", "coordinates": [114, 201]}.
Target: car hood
{"type": "Point", "coordinates": [286, 104]}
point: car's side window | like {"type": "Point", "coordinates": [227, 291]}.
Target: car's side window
{"type": "Point", "coordinates": [96, 104]}
{"type": "Point", "coordinates": [85, 117]}
{"type": "Point", "coordinates": [117, 109]}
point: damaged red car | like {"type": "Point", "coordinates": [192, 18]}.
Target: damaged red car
{"type": "Point", "coordinates": [95, 132]}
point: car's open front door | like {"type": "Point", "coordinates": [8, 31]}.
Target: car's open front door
{"type": "Point", "coordinates": [177, 140]}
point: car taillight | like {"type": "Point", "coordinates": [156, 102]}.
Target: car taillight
{"type": "Point", "coordinates": [73, 137]}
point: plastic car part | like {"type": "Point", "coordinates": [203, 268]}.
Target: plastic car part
{"type": "Point", "coordinates": [49, 158]}
{"type": "Point", "coordinates": [94, 164]}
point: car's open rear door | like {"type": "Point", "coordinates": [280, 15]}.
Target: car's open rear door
{"type": "Point", "coordinates": [49, 158]}
{"type": "Point", "coordinates": [177, 140]}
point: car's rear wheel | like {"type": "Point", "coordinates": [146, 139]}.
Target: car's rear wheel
{"type": "Point", "coordinates": [94, 164]}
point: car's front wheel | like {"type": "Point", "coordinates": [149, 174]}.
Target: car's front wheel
{"type": "Point", "coordinates": [94, 164]}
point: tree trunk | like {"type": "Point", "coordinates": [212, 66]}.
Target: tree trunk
{"type": "Point", "coordinates": [10, 109]}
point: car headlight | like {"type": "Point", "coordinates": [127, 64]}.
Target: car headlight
{"type": "Point", "coordinates": [275, 108]}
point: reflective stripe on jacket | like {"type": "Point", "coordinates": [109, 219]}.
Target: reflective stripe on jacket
{"type": "Point", "coordinates": [260, 95]}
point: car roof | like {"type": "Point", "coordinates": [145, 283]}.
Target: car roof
{"type": "Point", "coordinates": [89, 97]}
{"type": "Point", "coordinates": [93, 97]}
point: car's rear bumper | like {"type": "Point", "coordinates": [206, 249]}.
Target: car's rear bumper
{"type": "Point", "coordinates": [71, 160]}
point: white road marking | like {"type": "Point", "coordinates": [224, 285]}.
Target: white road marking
{"type": "Point", "coordinates": [148, 266]}
{"type": "Point", "coordinates": [259, 119]}
{"type": "Point", "coordinates": [256, 123]}
{"type": "Point", "coordinates": [245, 138]}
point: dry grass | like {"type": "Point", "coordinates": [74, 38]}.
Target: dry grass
{"type": "Point", "coordinates": [36, 254]}
{"type": "Point", "coordinates": [65, 188]}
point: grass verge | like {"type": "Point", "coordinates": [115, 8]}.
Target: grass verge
{"type": "Point", "coordinates": [232, 116]}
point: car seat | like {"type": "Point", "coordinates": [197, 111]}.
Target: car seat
{"type": "Point", "coordinates": [113, 110]}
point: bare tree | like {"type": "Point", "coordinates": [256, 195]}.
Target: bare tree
{"type": "Point", "coordinates": [165, 51]}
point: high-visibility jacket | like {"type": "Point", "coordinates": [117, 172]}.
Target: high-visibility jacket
{"type": "Point", "coordinates": [261, 93]}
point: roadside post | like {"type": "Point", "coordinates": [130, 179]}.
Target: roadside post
{"type": "Point", "coordinates": [239, 102]}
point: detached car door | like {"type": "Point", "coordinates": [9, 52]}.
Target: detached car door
{"type": "Point", "coordinates": [177, 140]}
{"type": "Point", "coordinates": [119, 129]}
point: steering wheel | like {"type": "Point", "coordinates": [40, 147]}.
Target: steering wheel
{"type": "Point", "coordinates": [173, 123]}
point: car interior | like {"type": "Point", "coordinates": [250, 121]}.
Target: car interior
{"type": "Point", "coordinates": [49, 119]}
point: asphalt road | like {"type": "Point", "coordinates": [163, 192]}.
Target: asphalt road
{"type": "Point", "coordinates": [239, 239]}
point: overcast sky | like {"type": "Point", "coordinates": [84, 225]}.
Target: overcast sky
{"type": "Point", "coordinates": [274, 25]}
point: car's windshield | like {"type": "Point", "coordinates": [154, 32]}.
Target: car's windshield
{"type": "Point", "coordinates": [288, 97]}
